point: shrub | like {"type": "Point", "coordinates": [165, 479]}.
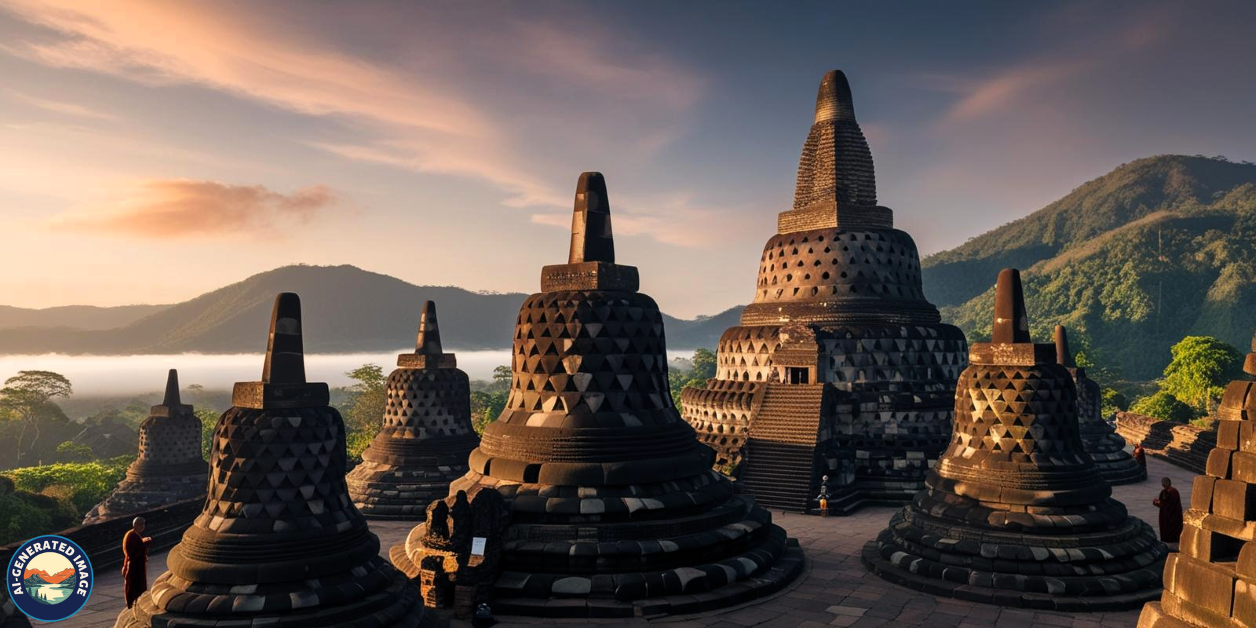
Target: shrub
{"type": "Point", "coordinates": [1165, 407]}
{"type": "Point", "coordinates": [90, 482]}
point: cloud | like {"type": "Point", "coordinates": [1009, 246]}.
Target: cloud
{"type": "Point", "coordinates": [466, 93]}
{"type": "Point", "coordinates": [56, 106]}
{"type": "Point", "coordinates": [182, 208]}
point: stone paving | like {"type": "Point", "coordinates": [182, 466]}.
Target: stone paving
{"type": "Point", "coordinates": [835, 591]}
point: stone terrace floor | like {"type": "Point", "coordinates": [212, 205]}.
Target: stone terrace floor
{"type": "Point", "coordinates": [835, 590]}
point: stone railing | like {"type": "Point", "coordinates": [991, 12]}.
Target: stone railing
{"type": "Point", "coordinates": [103, 541]}
{"type": "Point", "coordinates": [1184, 445]}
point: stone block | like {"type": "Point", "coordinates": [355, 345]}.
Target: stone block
{"type": "Point", "coordinates": [1201, 493]}
{"type": "Point", "coordinates": [1218, 465]}
{"type": "Point", "coordinates": [1234, 500]}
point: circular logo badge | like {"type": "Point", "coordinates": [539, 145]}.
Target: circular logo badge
{"type": "Point", "coordinates": [49, 578]}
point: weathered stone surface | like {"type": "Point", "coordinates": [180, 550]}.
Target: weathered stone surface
{"type": "Point", "coordinates": [840, 364]}
{"type": "Point", "coordinates": [1212, 581]}
{"type": "Point", "coordinates": [614, 508]}
{"type": "Point", "coordinates": [169, 467]}
{"type": "Point", "coordinates": [426, 433]}
{"type": "Point", "coordinates": [1015, 513]}
{"type": "Point", "coordinates": [1099, 438]}
{"type": "Point", "coordinates": [278, 541]}
{"type": "Point", "coordinates": [10, 617]}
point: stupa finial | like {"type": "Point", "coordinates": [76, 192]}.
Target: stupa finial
{"type": "Point", "coordinates": [172, 390]}
{"type": "Point", "coordinates": [591, 236]}
{"type": "Point", "coordinates": [591, 262]}
{"type": "Point", "coordinates": [834, 100]}
{"type": "Point", "coordinates": [1011, 323]}
{"type": "Point", "coordinates": [283, 382]}
{"type": "Point", "coordinates": [428, 342]}
{"type": "Point", "coordinates": [285, 357]}
{"type": "Point", "coordinates": [1062, 354]}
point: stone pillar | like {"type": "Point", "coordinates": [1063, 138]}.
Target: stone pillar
{"type": "Point", "coordinates": [1211, 581]}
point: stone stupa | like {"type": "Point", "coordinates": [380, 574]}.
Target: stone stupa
{"type": "Point", "coordinates": [840, 366]}
{"type": "Point", "coordinates": [1099, 438]}
{"type": "Point", "coordinates": [169, 468]}
{"type": "Point", "coordinates": [1015, 513]}
{"type": "Point", "coordinates": [426, 436]}
{"type": "Point", "coordinates": [1211, 580]}
{"type": "Point", "coordinates": [613, 507]}
{"type": "Point", "coordinates": [279, 541]}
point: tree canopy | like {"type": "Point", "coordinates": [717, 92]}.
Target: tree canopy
{"type": "Point", "coordinates": [1200, 369]}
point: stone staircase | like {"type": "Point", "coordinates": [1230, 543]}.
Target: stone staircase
{"type": "Point", "coordinates": [781, 447]}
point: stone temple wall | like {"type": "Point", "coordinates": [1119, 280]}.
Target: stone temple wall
{"type": "Point", "coordinates": [1184, 445]}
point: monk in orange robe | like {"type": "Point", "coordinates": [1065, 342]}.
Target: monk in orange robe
{"type": "Point", "coordinates": [135, 561]}
{"type": "Point", "coordinates": [1140, 456]}
{"type": "Point", "coordinates": [1170, 505]}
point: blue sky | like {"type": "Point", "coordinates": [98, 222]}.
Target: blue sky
{"type": "Point", "coordinates": [154, 151]}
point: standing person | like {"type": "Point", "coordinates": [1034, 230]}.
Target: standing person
{"type": "Point", "coordinates": [135, 561]}
{"type": "Point", "coordinates": [1170, 505]}
{"type": "Point", "coordinates": [1140, 456]}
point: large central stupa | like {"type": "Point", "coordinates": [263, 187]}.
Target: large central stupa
{"type": "Point", "coordinates": [840, 364]}
{"type": "Point", "coordinates": [614, 510]}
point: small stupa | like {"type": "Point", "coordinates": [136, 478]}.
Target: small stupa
{"type": "Point", "coordinates": [278, 541]}
{"type": "Point", "coordinates": [1015, 513]}
{"type": "Point", "coordinates": [840, 366]}
{"type": "Point", "coordinates": [1099, 438]}
{"type": "Point", "coordinates": [426, 436]}
{"type": "Point", "coordinates": [612, 508]}
{"type": "Point", "coordinates": [1211, 580]}
{"type": "Point", "coordinates": [169, 468]}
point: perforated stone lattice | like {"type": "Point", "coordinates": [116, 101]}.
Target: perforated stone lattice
{"type": "Point", "coordinates": [847, 286]}
{"type": "Point", "coordinates": [1015, 512]}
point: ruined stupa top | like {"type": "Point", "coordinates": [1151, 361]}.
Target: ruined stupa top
{"type": "Point", "coordinates": [837, 184]}
{"type": "Point", "coordinates": [1010, 343]}
{"type": "Point", "coordinates": [171, 405]}
{"type": "Point", "coordinates": [591, 262]}
{"type": "Point", "coordinates": [283, 382]}
{"type": "Point", "coordinates": [428, 352]}
{"type": "Point", "coordinates": [1063, 356]}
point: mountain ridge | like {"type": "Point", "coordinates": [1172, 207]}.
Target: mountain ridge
{"type": "Point", "coordinates": [347, 310]}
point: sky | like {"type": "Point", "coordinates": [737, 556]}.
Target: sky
{"type": "Point", "coordinates": [153, 151]}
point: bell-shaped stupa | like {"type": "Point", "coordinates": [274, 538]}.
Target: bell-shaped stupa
{"type": "Point", "coordinates": [426, 435]}
{"type": "Point", "coordinates": [169, 468]}
{"type": "Point", "coordinates": [1099, 438]}
{"type": "Point", "coordinates": [279, 541]}
{"type": "Point", "coordinates": [1211, 579]}
{"type": "Point", "coordinates": [1015, 512]}
{"type": "Point", "coordinates": [840, 366]}
{"type": "Point", "coordinates": [614, 510]}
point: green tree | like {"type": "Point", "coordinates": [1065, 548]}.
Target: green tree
{"type": "Point", "coordinates": [75, 452]}
{"type": "Point", "coordinates": [27, 397]}
{"type": "Point", "coordinates": [1199, 371]}
{"type": "Point", "coordinates": [485, 408]}
{"type": "Point", "coordinates": [1164, 406]}
{"type": "Point", "coordinates": [365, 407]}
{"type": "Point", "coordinates": [209, 423]}
{"type": "Point", "coordinates": [1112, 401]}
{"type": "Point", "coordinates": [501, 377]}
{"type": "Point", "coordinates": [704, 365]}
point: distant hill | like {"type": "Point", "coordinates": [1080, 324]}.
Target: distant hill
{"type": "Point", "coordinates": [346, 309]}
{"type": "Point", "coordinates": [1134, 260]}
{"type": "Point", "coordinates": [75, 316]}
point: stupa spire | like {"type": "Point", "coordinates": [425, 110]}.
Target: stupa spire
{"type": "Point", "coordinates": [1062, 354]}
{"type": "Point", "coordinates": [591, 261]}
{"type": "Point", "coordinates": [283, 382]}
{"type": "Point", "coordinates": [172, 390]}
{"type": "Point", "coordinates": [591, 236]}
{"type": "Point", "coordinates": [1011, 323]}
{"type": "Point", "coordinates": [285, 358]}
{"type": "Point", "coordinates": [428, 342]}
{"type": "Point", "coordinates": [834, 100]}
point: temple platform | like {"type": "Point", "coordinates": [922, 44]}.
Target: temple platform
{"type": "Point", "coordinates": [835, 590]}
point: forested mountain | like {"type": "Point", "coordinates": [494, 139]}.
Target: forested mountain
{"type": "Point", "coordinates": [1131, 261]}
